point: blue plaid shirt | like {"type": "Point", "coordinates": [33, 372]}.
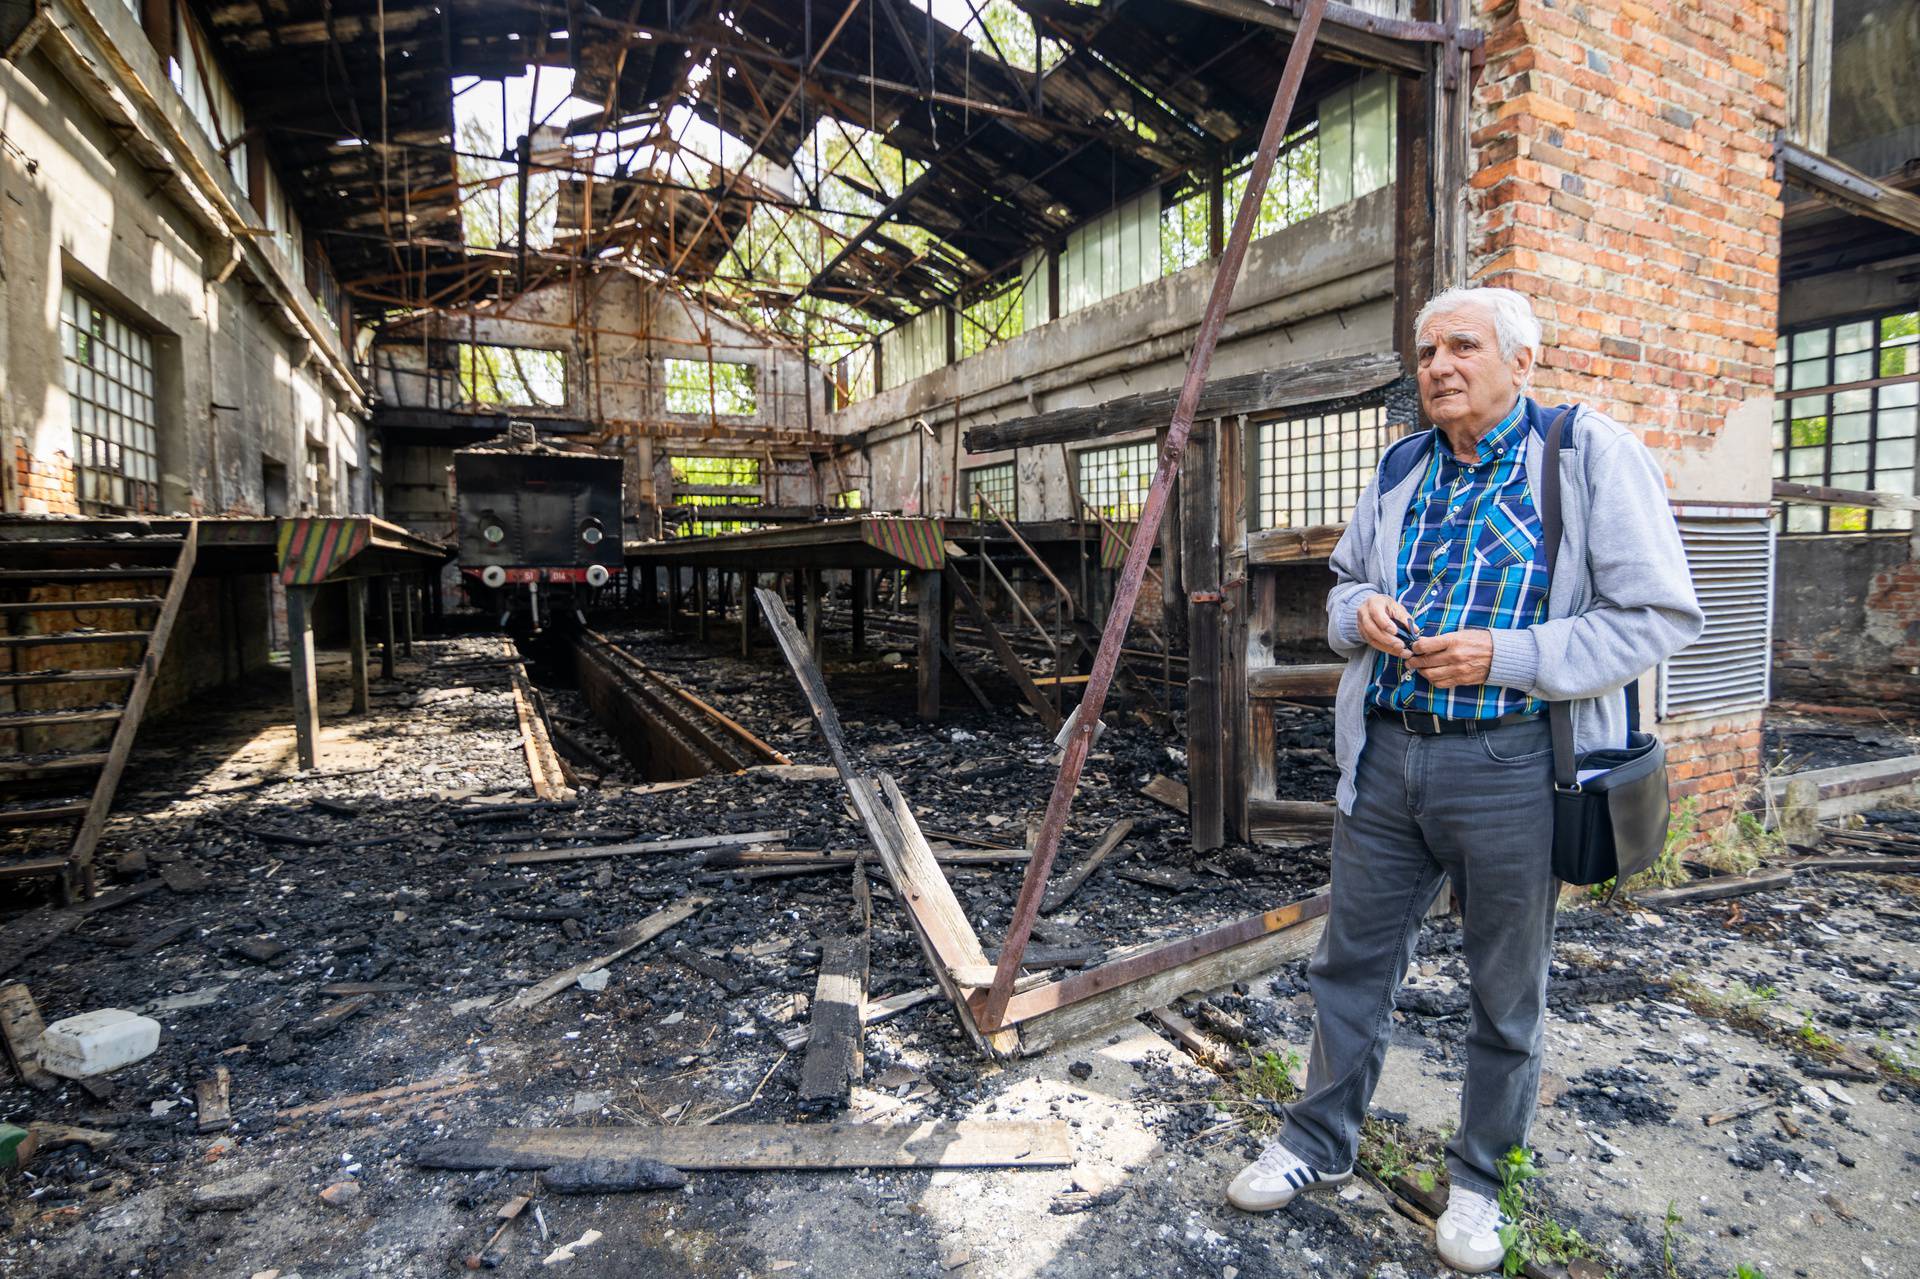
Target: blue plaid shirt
{"type": "Point", "coordinates": [1468, 560]}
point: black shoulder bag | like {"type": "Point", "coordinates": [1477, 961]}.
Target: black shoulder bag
{"type": "Point", "coordinates": [1610, 807]}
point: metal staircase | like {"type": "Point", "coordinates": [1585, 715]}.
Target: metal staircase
{"type": "Point", "coordinates": [76, 672]}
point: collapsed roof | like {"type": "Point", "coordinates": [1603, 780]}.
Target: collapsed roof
{"type": "Point", "coordinates": [355, 102]}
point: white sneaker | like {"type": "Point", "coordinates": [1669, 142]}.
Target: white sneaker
{"type": "Point", "coordinates": [1468, 1235]}
{"type": "Point", "coordinates": [1272, 1180]}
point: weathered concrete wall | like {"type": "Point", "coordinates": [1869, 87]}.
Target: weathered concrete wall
{"type": "Point", "coordinates": [617, 335]}
{"type": "Point", "coordinates": [1846, 620]}
{"type": "Point", "coordinates": [244, 371]}
{"type": "Point", "coordinates": [1319, 289]}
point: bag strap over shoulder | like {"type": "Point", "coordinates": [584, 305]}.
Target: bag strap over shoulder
{"type": "Point", "coordinates": [1559, 714]}
{"type": "Point", "coordinates": [1547, 492]}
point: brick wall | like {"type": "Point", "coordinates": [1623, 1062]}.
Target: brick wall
{"type": "Point", "coordinates": [45, 485]}
{"type": "Point", "coordinates": [1714, 762]}
{"type": "Point", "coordinates": [1622, 179]}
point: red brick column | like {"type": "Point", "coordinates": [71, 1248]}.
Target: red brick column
{"type": "Point", "coordinates": [1623, 179]}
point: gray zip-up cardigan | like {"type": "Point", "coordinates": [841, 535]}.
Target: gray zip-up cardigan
{"type": "Point", "coordinates": [1621, 599]}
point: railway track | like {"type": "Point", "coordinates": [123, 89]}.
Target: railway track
{"type": "Point", "coordinates": [665, 731]}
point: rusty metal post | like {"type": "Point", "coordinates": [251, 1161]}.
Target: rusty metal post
{"type": "Point", "coordinates": [1127, 590]}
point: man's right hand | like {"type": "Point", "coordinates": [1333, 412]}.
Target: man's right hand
{"type": "Point", "coordinates": [1379, 617]}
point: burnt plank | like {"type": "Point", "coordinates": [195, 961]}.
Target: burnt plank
{"type": "Point", "coordinates": [834, 1057]}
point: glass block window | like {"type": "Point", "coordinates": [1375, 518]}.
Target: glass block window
{"type": "Point", "coordinates": [995, 483]}
{"type": "Point", "coordinates": [1310, 470]}
{"type": "Point", "coordinates": [1114, 481]}
{"type": "Point", "coordinates": [109, 367]}
{"type": "Point", "coordinates": [1847, 396]}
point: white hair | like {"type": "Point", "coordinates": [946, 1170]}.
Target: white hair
{"type": "Point", "coordinates": [1514, 323]}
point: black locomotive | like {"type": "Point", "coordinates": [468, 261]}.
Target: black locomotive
{"type": "Point", "coordinates": [539, 527]}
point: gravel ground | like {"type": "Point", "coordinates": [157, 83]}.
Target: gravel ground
{"type": "Point", "coordinates": [371, 871]}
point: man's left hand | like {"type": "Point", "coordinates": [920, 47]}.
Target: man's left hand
{"type": "Point", "coordinates": [1453, 660]}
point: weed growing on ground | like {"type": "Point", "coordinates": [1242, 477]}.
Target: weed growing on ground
{"type": "Point", "coordinates": [1812, 1037]}
{"type": "Point", "coordinates": [1532, 1235]}
{"type": "Point", "coordinates": [1741, 844]}
{"type": "Point", "coordinates": [1745, 1271]}
{"type": "Point", "coordinates": [1745, 996]}
{"type": "Point", "coordinates": [1667, 871]}
{"type": "Point", "coordinates": [1894, 1058]}
{"type": "Point", "coordinates": [1666, 1240]}
{"type": "Point", "coordinates": [1257, 1090]}
{"type": "Point", "coordinates": [1388, 1152]}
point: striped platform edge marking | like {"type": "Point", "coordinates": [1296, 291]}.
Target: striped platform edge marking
{"type": "Point", "coordinates": [912, 541]}
{"type": "Point", "coordinates": [311, 549]}
{"type": "Point", "coordinates": [1114, 541]}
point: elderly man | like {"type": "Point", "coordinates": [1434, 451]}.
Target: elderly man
{"type": "Point", "coordinates": [1443, 745]}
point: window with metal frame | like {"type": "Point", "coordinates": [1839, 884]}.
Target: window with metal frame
{"type": "Point", "coordinates": [995, 483]}
{"type": "Point", "coordinates": [1847, 398]}
{"type": "Point", "coordinates": [110, 396]}
{"type": "Point", "coordinates": [1729, 667]}
{"type": "Point", "coordinates": [721, 388]}
{"type": "Point", "coordinates": [1310, 470]}
{"type": "Point", "coordinates": [512, 376]}
{"type": "Point", "coordinates": [1114, 481]}
{"type": "Point", "coordinates": [740, 474]}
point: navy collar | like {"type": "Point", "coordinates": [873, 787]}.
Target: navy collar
{"type": "Point", "coordinates": [1411, 451]}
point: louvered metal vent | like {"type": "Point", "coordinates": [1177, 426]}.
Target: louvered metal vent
{"type": "Point", "coordinates": [1729, 666]}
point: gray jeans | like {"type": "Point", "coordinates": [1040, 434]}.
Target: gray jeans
{"type": "Point", "coordinates": [1473, 807]}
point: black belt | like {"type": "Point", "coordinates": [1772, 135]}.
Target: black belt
{"type": "Point", "coordinates": [1424, 724]}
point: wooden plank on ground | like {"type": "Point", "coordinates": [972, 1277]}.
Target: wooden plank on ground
{"type": "Point", "coordinates": [630, 940]}
{"type": "Point", "coordinates": [543, 765]}
{"type": "Point", "coordinates": [692, 843]}
{"type": "Point", "coordinates": [1714, 889]}
{"type": "Point", "coordinates": [766, 1147]}
{"type": "Point", "coordinates": [1065, 1011]}
{"type": "Point", "coordinates": [20, 1030]}
{"type": "Point", "coordinates": [434, 1088]}
{"type": "Point", "coordinates": [794, 1038]}
{"type": "Point", "coordinates": [213, 1101]}
{"type": "Point", "coordinates": [1163, 789]}
{"type": "Point", "coordinates": [946, 937]}
{"type": "Point", "coordinates": [1199, 1045]}
{"type": "Point", "coordinates": [1058, 895]}
{"type": "Point", "coordinates": [834, 1059]}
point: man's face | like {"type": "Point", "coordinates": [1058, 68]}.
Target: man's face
{"type": "Point", "coordinates": [1464, 380]}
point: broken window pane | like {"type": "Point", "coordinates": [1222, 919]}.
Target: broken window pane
{"type": "Point", "coordinates": [722, 388]}
{"type": "Point", "coordinates": [1114, 481]}
{"type": "Point", "coordinates": [512, 376]}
